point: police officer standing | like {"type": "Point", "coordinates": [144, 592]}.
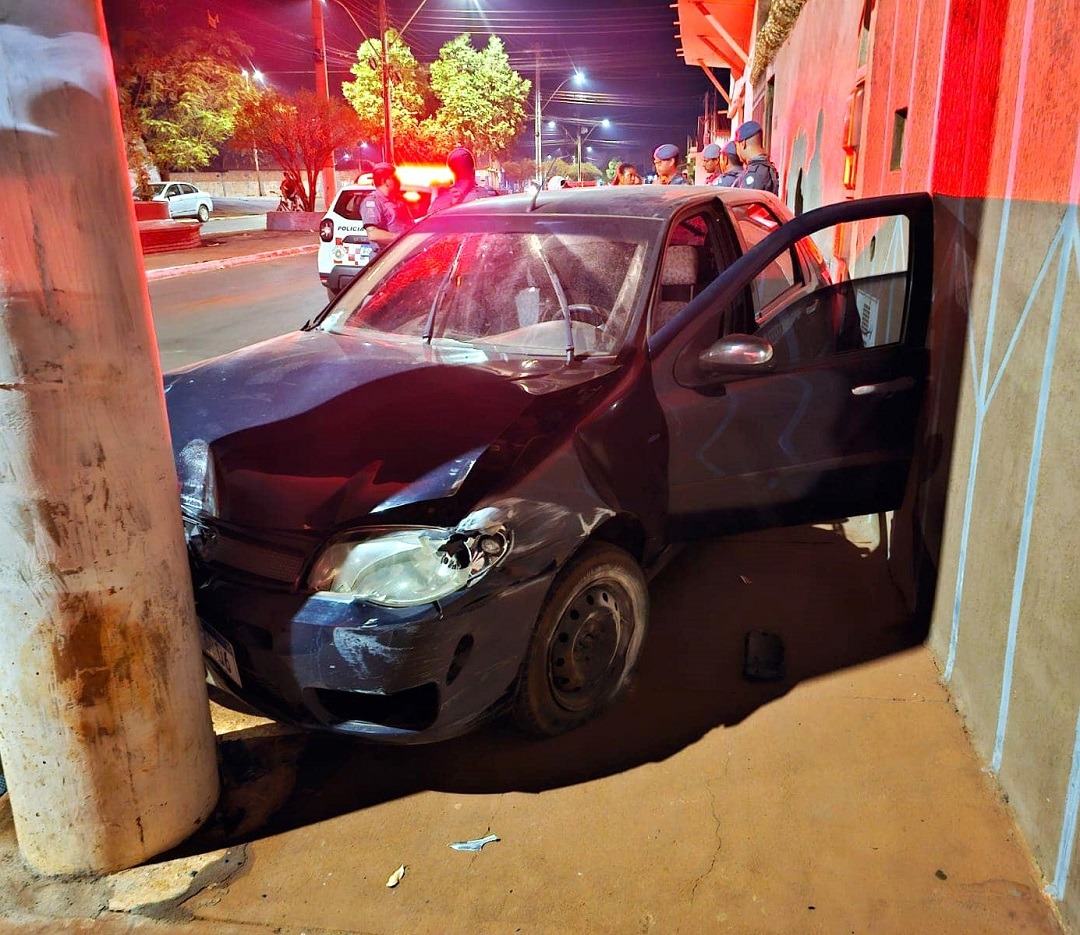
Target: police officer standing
{"type": "Point", "coordinates": [465, 188]}
{"type": "Point", "coordinates": [384, 212]}
{"type": "Point", "coordinates": [666, 162]}
{"type": "Point", "coordinates": [710, 162]}
{"type": "Point", "coordinates": [759, 173]}
{"type": "Point", "coordinates": [730, 166]}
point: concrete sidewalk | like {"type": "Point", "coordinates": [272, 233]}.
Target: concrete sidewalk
{"type": "Point", "coordinates": [230, 249]}
{"type": "Point", "coordinates": [844, 797]}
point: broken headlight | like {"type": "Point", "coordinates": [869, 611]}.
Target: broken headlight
{"type": "Point", "coordinates": [404, 567]}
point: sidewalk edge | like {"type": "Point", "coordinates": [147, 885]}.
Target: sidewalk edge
{"type": "Point", "coordinates": [170, 271]}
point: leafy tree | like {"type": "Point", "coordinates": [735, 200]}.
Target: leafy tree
{"type": "Point", "coordinates": [481, 97]}
{"type": "Point", "coordinates": [518, 170]}
{"type": "Point", "coordinates": [409, 97]}
{"type": "Point", "coordinates": [179, 94]}
{"type": "Point", "coordinates": [300, 132]}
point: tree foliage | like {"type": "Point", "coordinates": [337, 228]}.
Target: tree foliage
{"type": "Point", "coordinates": [301, 132]}
{"type": "Point", "coordinates": [467, 97]}
{"type": "Point", "coordinates": [481, 97]}
{"type": "Point", "coordinates": [179, 94]}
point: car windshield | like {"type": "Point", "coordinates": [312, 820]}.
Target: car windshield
{"type": "Point", "coordinates": [526, 290]}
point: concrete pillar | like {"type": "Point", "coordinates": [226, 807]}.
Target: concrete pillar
{"type": "Point", "coordinates": [104, 725]}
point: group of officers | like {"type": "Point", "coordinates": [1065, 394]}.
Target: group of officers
{"type": "Point", "coordinates": [742, 163]}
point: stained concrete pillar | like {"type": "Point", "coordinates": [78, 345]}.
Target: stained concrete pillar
{"type": "Point", "coordinates": [104, 725]}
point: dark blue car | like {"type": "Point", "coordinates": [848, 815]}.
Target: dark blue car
{"type": "Point", "coordinates": [443, 499]}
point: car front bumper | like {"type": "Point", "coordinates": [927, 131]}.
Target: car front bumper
{"type": "Point", "coordinates": [405, 675]}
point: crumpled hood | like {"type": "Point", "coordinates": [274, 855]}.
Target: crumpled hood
{"type": "Point", "coordinates": [311, 431]}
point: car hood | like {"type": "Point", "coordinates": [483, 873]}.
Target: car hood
{"type": "Point", "coordinates": [313, 431]}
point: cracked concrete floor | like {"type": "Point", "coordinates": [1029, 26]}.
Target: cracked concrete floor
{"type": "Point", "coordinates": [844, 798]}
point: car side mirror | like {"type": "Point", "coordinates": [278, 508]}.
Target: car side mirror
{"type": "Point", "coordinates": [737, 352]}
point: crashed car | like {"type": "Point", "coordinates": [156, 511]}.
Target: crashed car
{"type": "Point", "coordinates": [443, 498]}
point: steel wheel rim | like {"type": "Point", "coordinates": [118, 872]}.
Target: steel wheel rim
{"type": "Point", "coordinates": [588, 645]}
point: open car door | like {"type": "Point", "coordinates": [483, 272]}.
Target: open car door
{"type": "Point", "coordinates": [792, 384]}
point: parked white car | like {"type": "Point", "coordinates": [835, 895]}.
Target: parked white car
{"type": "Point", "coordinates": [184, 199]}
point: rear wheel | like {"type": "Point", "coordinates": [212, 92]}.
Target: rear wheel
{"type": "Point", "coordinates": [586, 643]}
{"type": "Point", "coordinates": [204, 213]}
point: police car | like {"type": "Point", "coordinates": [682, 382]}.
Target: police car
{"type": "Point", "coordinates": [344, 247]}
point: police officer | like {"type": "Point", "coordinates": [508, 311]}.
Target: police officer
{"type": "Point", "coordinates": [666, 162]}
{"type": "Point", "coordinates": [758, 173]}
{"type": "Point", "coordinates": [710, 161]}
{"type": "Point", "coordinates": [730, 166]}
{"type": "Point", "coordinates": [465, 188]}
{"type": "Point", "coordinates": [384, 212]}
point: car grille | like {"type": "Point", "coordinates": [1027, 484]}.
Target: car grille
{"type": "Point", "coordinates": [217, 547]}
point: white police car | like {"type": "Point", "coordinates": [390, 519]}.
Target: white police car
{"type": "Point", "coordinates": [344, 247]}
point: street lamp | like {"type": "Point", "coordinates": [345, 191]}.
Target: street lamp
{"type": "Point", "coordinates": [581, 136]}
{"type": "Point", "coordinates": [259, 79]}
{"type": "Point", "coordinates": [578, 77]}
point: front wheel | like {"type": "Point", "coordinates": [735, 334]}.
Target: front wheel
{"type": "Point", "coordinates": [204, 213]}
{"type": "Point", "coordinates": [586, 643]}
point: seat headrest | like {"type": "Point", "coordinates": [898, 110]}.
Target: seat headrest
{"type": "Point", "coordinates": [681, 262]}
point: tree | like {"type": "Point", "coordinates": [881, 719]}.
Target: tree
{"type": "Point", "coordinates": [409, 102]}
{"type": "Point", "coordinates": [301, 133]}
{"type": "Point", "coordinates": [518, 170]}
{"type": "Point", "coordinates": [179, 94]}
{"type": "Point", "coordinates": [481, 97]}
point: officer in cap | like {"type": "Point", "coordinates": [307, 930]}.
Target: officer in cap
{"type": "Point", "coordinates": [465, 188]}
{"type": "Point", "coordinates": [384, 212]}
{"type": "Point", "coordinates": [730, 166]}
{"type": "Point", "coordinates": [758, 173]}
{"type": "Point", "coordinates": [710, 162]}
{"type": "Point", "coordinates": [666, 161]}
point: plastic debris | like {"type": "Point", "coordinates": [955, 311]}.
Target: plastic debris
{"type": "Point", "coordinates": [395, 877]}
{"type": "Point", "coordinates": [745, 580]}
{"type": "Point", "coordinates": [475, 845]}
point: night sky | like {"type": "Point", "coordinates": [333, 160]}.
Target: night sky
{"type": "Point", "coordinates": [625, 47]}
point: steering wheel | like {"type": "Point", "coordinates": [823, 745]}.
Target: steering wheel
{"type": "Point", "coordinates": [589, 314]}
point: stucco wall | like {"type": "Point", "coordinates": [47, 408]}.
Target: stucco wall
{"type": "Point", "coordinates": [991, 92]}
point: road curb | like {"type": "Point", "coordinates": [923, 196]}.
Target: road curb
{"type": "Point", "coordinates": [169, 272]}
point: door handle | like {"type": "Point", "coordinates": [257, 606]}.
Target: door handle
{"type": "Point", "coordinates": [883, 389]}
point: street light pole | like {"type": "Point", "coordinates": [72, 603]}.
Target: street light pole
{"type": "Point", "coordinates": [388, 129]}
{"type": "Point", "coordinates": [536, 123]}
{"type": "Point", "coordinates": [322, 88]}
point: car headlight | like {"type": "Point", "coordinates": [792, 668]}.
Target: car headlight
{"type": "Point", "coordinates": [404, 567]}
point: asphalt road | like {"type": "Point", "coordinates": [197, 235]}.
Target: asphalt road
{"type": "Point", "coordinates": [200, 315]}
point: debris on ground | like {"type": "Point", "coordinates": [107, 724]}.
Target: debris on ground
{"type": "Point", "coordinates": [395, 877]}
{"type": "Point", "coordinates": [745, 580]}
{"type": "Point", "coordinates": [475, 845]}
{"type": "Point", "coordinates": [764, 660]}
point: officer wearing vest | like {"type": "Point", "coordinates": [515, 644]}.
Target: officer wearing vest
{"type": "Point", "coordinates": [730, 166]}
{"type": "Point", "coordinates": [384, 212]}
{"type": "Point", "coordinates": [710, 162]}
{"type": "Point", "coordinates": [666, 163]}
{"type": "Point", "coordinates": [759, 173]}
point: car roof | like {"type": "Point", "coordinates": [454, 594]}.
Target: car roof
{"type": "Point", "coordinates": [641, 201]}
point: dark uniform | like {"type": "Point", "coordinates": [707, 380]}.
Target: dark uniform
{"type": "Point", "coordinates": [382, 211]}
{"type": "Point", "coordinates": [735, 167]}
{"type": "Point", "coordinates": [760, 174]}
{"type": "Point", "coordinates": [679, 178]}
{"type": "Point", "coordinates": [461, 192]}
{"type": "Point", "coordinates": [729, 178]}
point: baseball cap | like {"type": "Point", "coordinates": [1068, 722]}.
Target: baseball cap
{"type": "Point", "coordinates": [712, 151]}
{"type": "Point", "coordinates": [666, 151]}
{"type": "Point", "coordinates": [381, 172]}
{"type": "Point", "coordinates": [747, 130]}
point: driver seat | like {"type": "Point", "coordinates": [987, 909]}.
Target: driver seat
{"type": "Point", "coordinates": [678, 282]}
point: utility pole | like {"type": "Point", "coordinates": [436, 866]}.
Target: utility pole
{"type": "Point", "coordinates": [322, 88]}
{"type": "Point", "coordinates": [388, 128]}
{"type": "Point", "coordinates": [537, 149]}
{"type": "Point", "coordinates": [105, 730]}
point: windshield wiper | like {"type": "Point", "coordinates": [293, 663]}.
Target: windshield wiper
{"type": "Point", "coordinates": [560, 295]}
{"type": "Point", "coordinates": [429, 328]}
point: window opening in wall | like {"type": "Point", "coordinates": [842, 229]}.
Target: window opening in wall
{"type": "Point", "coordinates": [899, 123]}
{"type": "Point", "coordinates": [770, 92]}
{"type": "Point", "coordinates": [864, 33]}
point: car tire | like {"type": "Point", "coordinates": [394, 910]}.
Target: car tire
{"type": "Point", "coordinates": [204, 213]}
{"type": "Point", "coordinates": [586, 642]}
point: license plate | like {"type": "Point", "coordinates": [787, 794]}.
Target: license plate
{"type": "Point", "coordinates": [219, 650]}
